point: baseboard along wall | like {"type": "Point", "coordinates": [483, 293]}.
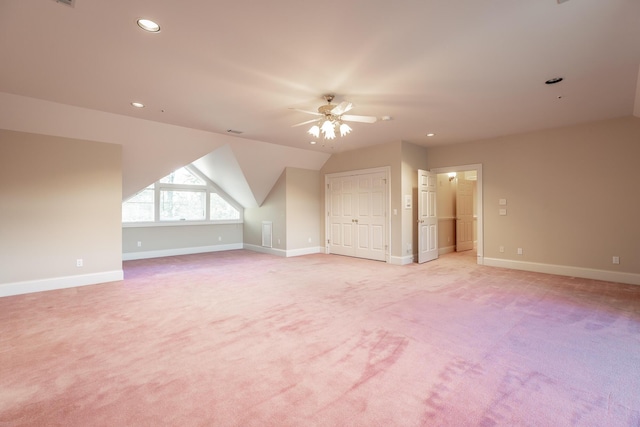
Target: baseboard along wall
{"type": "Point", "coordinates": [565, 270]}
{"type": "Point", "coordinates": [31, 286]}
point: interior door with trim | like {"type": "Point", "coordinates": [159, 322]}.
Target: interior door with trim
{"type": "Point", "coordinates": [427, 216]}
{"type": "Point", "coordinates": [464, 214]}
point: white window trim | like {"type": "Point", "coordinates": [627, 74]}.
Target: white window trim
{"type": "Point", "coordinates": [209, 187]}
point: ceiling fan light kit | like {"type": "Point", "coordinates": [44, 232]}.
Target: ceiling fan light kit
{"type": "Point", "coordinates": [332, 117]}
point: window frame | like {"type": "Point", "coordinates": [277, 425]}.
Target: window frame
{"type": "Point", "coordinates": [208, 187]}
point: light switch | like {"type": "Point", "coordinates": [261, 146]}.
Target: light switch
{"type": "Point", "coordinates": [503, 212]}
{"type": "Point", "coordinates": [502, 202]}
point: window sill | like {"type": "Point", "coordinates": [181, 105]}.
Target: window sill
{"type": "Point", "coordinates": [178, 223]}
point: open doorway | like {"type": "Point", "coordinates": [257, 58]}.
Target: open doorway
{"type": "Point", "coordinates": [460, 219]}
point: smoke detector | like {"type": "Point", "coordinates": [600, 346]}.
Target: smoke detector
{"type": "Point", "coordinates": [71, 3]}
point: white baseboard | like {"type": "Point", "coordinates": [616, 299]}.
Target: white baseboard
{"type": "Point", "coordinates": [305, 251]}
{"type": "Point", "coordinates": [404, 260]}
{"type": "Point", "coordinates": [446, 250]}
{"type": "Point", "coordinates": [282, 252]}
{"type": "Point", "coordinates": [30, 286]}
{"type": "Point", "coordinates": [129, 256]}
{"type": "Point", "coordinates": [565, 270]}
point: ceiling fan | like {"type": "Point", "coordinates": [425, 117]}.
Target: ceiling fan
{"type": "Point", "coordinates": [330, 116]}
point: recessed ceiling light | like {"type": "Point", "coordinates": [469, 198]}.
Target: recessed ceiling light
{"type": "Point", "coordinates": [312, 142]}
{"type": "Point", "coordinates": [148, 25]}
{"type": "Point", "coordinates": [386, 118]}
{"type": "Point", "coordinates": [137, 104]}
{"type": "Point", "coordinates": [554, 81]}
{"type": "Point", "coordinates": [431, 134]}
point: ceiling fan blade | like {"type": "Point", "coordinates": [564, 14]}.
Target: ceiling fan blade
{"type": "Point", "coordinates": [342, 108]}
{"type": "Point", "coordinates": [315, 113]}
{"type": "Point", "coordinates": [305, 123]}
{"type": "Point", "coordinates": [361, 119]}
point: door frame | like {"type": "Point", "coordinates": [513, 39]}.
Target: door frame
{"type": "Point", "coordinates": [479, 202]}
{"type": "Point", "coordinates": [387, 174]}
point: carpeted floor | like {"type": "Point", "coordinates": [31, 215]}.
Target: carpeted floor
{"type": "Point", "coordinates": [247, 339]}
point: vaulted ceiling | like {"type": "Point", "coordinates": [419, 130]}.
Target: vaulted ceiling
{"type": "Point", "coordinates": [465, 70]}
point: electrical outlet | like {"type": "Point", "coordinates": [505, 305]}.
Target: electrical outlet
{"type": "Point", "coordinates": [139, 244]}
{"type": "Point", "coordinates": [79, 262]}
{"type": "Point", "coordinates": [501, 249]}
{"type": "Point", "coordinates": [519, 251]}
{"type": "Point", "coordinates": [309, 239]}
{"type": "Point", "coordinates": [219, 238]}
{"type": "Point", "coordinates": [616, 260]}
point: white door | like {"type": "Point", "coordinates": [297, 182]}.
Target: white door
{"type": "Point", "coordinates": [341, 216]}
{"type": "Point", "coordinates": [464, 214]}
{"type": "Point", "coordinates": [427, 217]}
{"type": "Point", "coordinates": [357, 215]}
{"type": "Point", "coordinates": [371, 216]}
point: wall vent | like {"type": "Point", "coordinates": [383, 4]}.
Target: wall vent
{"type": "Point", "coordinates": [71, 3]}
{"type": "Point", "coordinates": [267, 234]}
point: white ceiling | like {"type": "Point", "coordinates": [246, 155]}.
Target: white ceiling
{"type": "Point", "coordinates": [464, 69]}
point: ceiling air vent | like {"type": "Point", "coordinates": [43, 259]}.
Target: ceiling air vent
{"type": "Point", "coordinates": [71, 3]}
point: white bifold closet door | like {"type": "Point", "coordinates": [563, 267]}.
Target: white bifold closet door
{"type": "Point", "coordinates": [357, 215]}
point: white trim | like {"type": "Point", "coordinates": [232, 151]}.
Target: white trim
{"type": "Point", "coordinates": [41, 285]}
{"type": "Point", "coordinates": [402, 260]}
{"type": "Point", "coordinates": [304, 251]}
{"type": "Point", "coordinates": [446, 250]}
{"type": "Point", "coordinates": [179, 223]}
{"type": "Point", "coordinates": [264, 250]}
{"type": "Point", "coordinates": [566, 270]}
{"type": "Point", "coordinates": [285, 253]}
{"type": "Point", "coordinates": [129, 256]}
{"type": "Point", "coordinates": [479, 202]}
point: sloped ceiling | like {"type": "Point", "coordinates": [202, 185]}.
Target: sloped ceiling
{"type": "Point", "coordinates": [245, 169]}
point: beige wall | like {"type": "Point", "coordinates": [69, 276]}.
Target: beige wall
{"type": "Point", "coordinates": [572, 196]}
{"type": "Point", "coordinates": [414, 157]}
{"type": "Point", "coordinates": [167, 238]}
{"type": "Point", "coordinates": [61, 201]}
{"type": "Point", "coordinates": [272, 209]}
{"type": "Point", "coordinates": [293, 207]}
{"type": "Point", "coordinates": [302, 208]}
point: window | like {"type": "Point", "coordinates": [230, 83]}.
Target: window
{"type": "Point", "coordinates": [181, 205]}
{"type": "Point", "coordinates": [184, 196]}
{"type": "Point", "coordinates": [220, 209]}
{"type": "Point", "coordinates": [140, 208]}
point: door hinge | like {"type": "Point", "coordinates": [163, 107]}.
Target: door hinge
{"type": "Point", "coordinates": [328, 186]}
{"type": "Point", "coordinates": [328, 241]}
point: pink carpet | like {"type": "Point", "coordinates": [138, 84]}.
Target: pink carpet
{"type": "Point", "coordinates": [247, 339]}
